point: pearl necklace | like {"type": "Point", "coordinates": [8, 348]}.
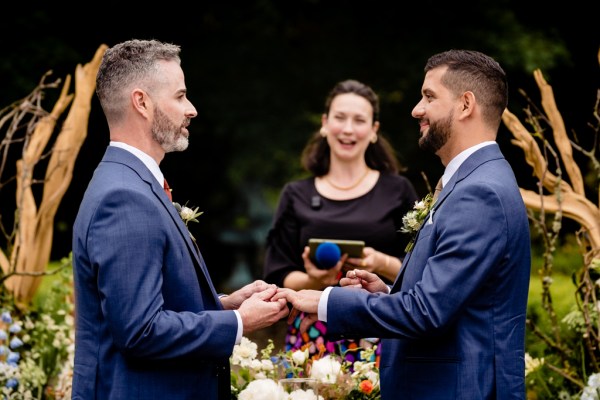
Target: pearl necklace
{"type": "Point", "coordinates": [345, 188]}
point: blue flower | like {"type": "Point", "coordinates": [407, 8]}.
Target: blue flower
{"type": "Point", "coordinates": [3, 334]}
{"type": "Point", "coordinates": [12, 383]}
{"type": "Point", "coordinates": [15, 328]}
{"type": "Point", "coordinates": [13, 358]}
{"type": "Point", "coordinates": [15, 343]}
{"type": "Point", "coordinates": [6, 317]}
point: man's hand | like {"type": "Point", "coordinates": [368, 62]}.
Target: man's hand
{"type": "Point", "coordinates": [303, 300]}
{"type": "Point", "coordinates": [364, 279]}
{"type": "Point", "coordinates": [261, 310]}
{"type": "Point", "coordinates": [235, 299]}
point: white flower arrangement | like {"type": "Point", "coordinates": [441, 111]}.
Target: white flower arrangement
{"type": "Point", "coordinates": [257, 377]}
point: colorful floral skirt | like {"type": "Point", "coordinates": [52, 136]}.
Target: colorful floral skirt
{"type": "Point", "coordinates": [314, 338]}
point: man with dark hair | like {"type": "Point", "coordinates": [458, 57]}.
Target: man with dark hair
{"type": "Point", "coordinates": [453, 323]}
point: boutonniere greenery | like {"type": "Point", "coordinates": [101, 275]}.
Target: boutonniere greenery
{"type": "Point", "coordinates": [188, 214]}
{"type": "Point", "coordinates": [412, 221]}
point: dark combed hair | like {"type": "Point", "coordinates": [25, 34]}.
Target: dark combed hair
{"type": "Point", "coordinates": [470, 70]}
{"type": "Point", "coordinates": [379, 155]}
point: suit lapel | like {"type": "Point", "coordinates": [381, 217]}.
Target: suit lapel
{"type": "Point", "coordinates": [479, 157]}
{"type": "Point", "coordinates": [199, 263]}
{"type": "Point", "coordinates": [114, 154]}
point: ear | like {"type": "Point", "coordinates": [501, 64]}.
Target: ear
{"type": "Point", "coordinates": [376, 127]}
{"type": "Point", "coordinates": [467, 103]}
{"type": "Point", "coordinates": [323, 131]}
{"type": "Point", "coordinates": [141, 102]}
{"type": "Point", "coordinates": [324, 119]}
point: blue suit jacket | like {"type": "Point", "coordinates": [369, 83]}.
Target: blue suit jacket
{"type": "Point", "coordinates": [454, 323]}
{"type": "Point", "coordinates": [149, 324]}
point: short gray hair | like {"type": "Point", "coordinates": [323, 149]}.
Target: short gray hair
{"type": "Point", "coordinates": [133, 62]}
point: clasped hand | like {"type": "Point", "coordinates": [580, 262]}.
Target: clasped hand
{"type": "Point", "coordinates": [256, 305]}
{"type": "Point", "coordinates": [307, 300]}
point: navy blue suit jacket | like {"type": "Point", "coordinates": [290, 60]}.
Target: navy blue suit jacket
{"type": "Point", "coordinates": [149, 324]}
{"type": "Point", "coordinates": [454, 323]}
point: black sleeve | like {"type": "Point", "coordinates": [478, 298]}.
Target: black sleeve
{"type": "Point", "coordinates": [283, 253]}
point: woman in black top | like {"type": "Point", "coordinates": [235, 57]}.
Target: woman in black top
{"type": "Point", "coordinates": [355, 193]}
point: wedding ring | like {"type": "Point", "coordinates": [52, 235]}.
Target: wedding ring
{"type": "Point", "coordinates": [363, 263]}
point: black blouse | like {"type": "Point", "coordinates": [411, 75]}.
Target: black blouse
{"type": "Point", "coordinates": [302, 213]}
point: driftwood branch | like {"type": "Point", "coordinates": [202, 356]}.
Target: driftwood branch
{"type": "Point", "coordinates": [573, 202]}
{"type": "Point", "coordinates": [33, 242]}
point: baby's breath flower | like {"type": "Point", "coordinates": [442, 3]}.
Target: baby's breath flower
{"type": "Point", "coordinates": [531, 364]}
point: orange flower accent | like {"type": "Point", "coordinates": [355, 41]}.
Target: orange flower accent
{"type": "Point", "coordinates": [366, 386]}
{"type": "Point", "coordinates": [322, 349]}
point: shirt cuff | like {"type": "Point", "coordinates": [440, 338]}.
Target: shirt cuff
{"type": "Point", "coordinates": [240, 329]}
{"type": "Point", "coordinates": [322, 310]}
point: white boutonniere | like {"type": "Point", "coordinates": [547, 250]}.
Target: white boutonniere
{"type": "Point", "coordinates": [413, 219]}
{"type": "Point", "coordinates": [188, 214]}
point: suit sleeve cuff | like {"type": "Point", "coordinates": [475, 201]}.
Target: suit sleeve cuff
{"type": "Point", "coordinates": [322, 310]}
{"type": "Point", "coordinates": [240, 327]}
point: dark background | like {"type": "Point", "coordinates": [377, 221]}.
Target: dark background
{"type": "Point", "coordinates": [258, 73]}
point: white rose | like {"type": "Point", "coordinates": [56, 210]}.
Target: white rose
{"type": "Point", "coordinates": [187, 213]}
{"type": "Point", "coordinates": [262, 389]}
{"type": "Point", "coordinates": [326, 369]}
{"type": "Point", "coordinates": [304, 395]}
{"type": "Point", "coordinates": [244, 352]}
{"type": "Point", "coordinates": [299, 357]}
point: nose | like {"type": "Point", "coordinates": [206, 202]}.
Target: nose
{"type": "Point", "coordinates": [348, 127]}
{"type": "Point", "coordinates": [419, 110]}
{"type": "Point", "coordinates": [191, 111]}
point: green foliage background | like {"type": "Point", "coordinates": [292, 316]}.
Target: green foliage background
{"type": "Point", "coordinates": [258, 72]}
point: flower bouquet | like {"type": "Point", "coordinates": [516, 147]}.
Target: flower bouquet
{"type": "Point", "coordinates": [262, 377]}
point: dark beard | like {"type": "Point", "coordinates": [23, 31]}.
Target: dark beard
{"type": "Point", "coordinates": [166, 133]}
{"type": "Point", "coordinates": [437, 136]}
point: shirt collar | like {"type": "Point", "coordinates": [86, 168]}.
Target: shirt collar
{"type": "Point", "coordinates": [148, 161]}
{"type": "Point", "coordinates": [457, 161]}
